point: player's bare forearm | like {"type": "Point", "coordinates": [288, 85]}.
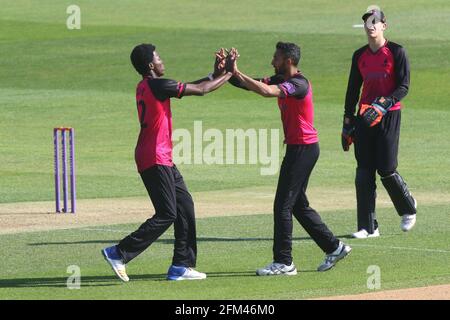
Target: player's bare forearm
{"type": "Point", "coordinates": [258, 87]}
{"type": "Point", "coordinates": [205, 87]}
{"type": "Point", "coordinates": [247, 82]}
{"type": "Point", "coordinates": [234, 81]}
{"type": "Point", "coordinates": [210, 86]}
{"type": "Point", "coordinates": [199, 80]}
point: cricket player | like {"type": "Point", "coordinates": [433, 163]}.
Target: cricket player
{"type": "Point", "coordinates": [153, 154]}
{"type": "Point", "coordinates": [382, 69]}
{"type": "Point", "coordinates": [295, 100]}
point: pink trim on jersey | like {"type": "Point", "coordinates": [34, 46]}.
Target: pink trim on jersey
{"type": "Point", "coordinates": [297, 116]}
{"type": "Point", "coordinates": [180, 88]}
{"type": "Point", "coordinates": [154, 145]}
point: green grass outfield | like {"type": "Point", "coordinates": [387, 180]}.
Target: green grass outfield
{"type": "Point", "coordinates": [51, 76]}
{"type": "Point", "coordinates": [230, 249]}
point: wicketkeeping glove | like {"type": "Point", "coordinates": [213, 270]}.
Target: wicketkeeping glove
{"type": "Point", "coordinates": [348, 132]}
{"type": "Point", "coordinates": [372, 114]}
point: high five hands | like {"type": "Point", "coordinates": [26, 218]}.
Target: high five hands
{"type": "Point", "coordinates": [225, 61]}
{"type": "Point", "coordinates": [219, 63]}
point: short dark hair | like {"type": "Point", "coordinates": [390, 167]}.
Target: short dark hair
{"type": "Point", "coordinates": [141, 56]}
{"type": "Point", "coordinates": [290, 50]}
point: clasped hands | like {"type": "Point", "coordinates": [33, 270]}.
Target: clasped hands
{"type": "Point", "coordinates": [226, 61]}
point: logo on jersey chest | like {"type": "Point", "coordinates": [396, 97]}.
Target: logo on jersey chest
{"type": "Point", "coordinates": [376, 69]}
{"type": "Point", "coordinates": [378, 65]}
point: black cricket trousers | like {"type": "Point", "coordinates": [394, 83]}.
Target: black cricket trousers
{"type": "Point", "coordinates": [173, 205]}
{"type": "Point", "coordinates": [376, 149]}
{"type": "Point", "coordinates": [290, 198]}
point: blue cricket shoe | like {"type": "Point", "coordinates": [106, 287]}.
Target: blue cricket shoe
{"type": "Point", "coordinates": [113, 257]}
{"type": "Point", "coordinates": [183, 273]}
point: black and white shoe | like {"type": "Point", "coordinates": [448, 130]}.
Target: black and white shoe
{"type": "Point", "coordinates": [331, 259]}
{"type": "Point", "coordinates": [277, 269]}
{"type": "Point", "coordinates": [363, 234]}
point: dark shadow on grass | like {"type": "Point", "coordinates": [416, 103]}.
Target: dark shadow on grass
{"type": "Point", "coordinates": [86, 281]}
{"type": "Point", "coordinates": [170, 241]}
{"type": "Point", "coordinates": [111, 241]}
{"type": "Point", "coordinates": [108, 281]}
{"type": "Point", "coordinates": [103, 281]}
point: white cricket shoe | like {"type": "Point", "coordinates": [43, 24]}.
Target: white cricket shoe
{"type": "Point", "coordinates": [331, 259]}
{"type": "Point", "coordinates": [363, 234]}
{"type": "Point", "coordinates": [184, 273]}
{"type": "Point", "coordinates": [112, 256]}
{"type": "Point", "coordinates": [408, 222]}
{"type": "Point", "coordinates": [275, 269]}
